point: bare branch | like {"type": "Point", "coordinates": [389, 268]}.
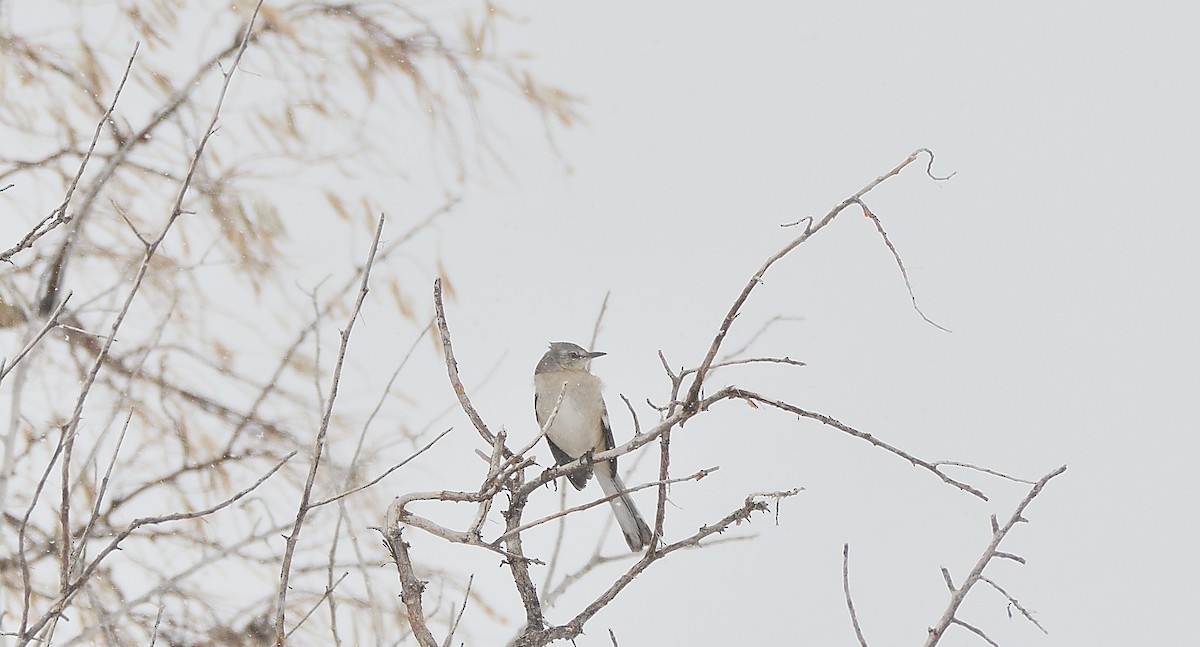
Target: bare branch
{"type": "Point", "coordinates": [836, 424]}
{"type": "Point", "coordinates": [899, 263]}
{"type": "Point", "coordinates": [385, 474]}
{"type": "Point", "coordinates": [758, 360]}
{"type": "Point", "coordinates": [75, 585]}
{"type": "Point", "coordinates": [599, 320]}
{"type": "Point", "coordinates": [1013, 602]}
{"type": "Point", "coordinates": [753, 338]}
{"type": "Point", "coordinates": [452, 367]}
{"type": "Point", "coordinates": [595, 502]}
{"type": "Point", "coordinates": [461, 610]}
{"type": "Point", "coordinates": [693, 397]}
{"type": "Point", "coordinates": [51, 323]}
{"type": "Point", "coordinates": [319, 443]}
{"type": "Point", "coordinates": [849, 601]}
{"type": "Point", "coordinates": [574, 627]}
{"type": "Point", "coordinates": [975, 630]}
{"type": "Point", "coordinates": [949, 580]}
{"type": "Point", "coordinates": [72, 427]}
{"type": "Point", "coordinates": [328, 594]}
{"type": "Point", "coordinates": [960, 594]}
{"type": "Point", "coordinates": [59, 215]}
{"type": "Point", "coordinates": [985, 470]}
{"type": "Point", "coordinates": [411, 586]}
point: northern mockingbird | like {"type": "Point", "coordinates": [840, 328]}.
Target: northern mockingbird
{"type": "Point", "coordinates": [581, 426]}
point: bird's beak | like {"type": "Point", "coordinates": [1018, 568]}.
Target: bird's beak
{"type": "Point", "coordinates": [595, 354]}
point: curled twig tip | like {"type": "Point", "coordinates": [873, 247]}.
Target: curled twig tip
{"type": "Point", "coordinates": [929, 166]}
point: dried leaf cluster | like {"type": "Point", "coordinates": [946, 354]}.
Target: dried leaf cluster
{"type": "Point", "coordinates": [160, 356]}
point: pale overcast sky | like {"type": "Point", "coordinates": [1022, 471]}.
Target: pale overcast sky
{"type": "Point", "coordinates": [1062, 255]}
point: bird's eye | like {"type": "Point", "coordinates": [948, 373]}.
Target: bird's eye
{"type": "Point", "coordinates": [575, 355]}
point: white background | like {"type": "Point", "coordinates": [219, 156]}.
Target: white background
{"type": "Point", "coordinates": [1063, 255]}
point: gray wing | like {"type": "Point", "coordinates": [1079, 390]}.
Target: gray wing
{"type": "Point", "coordinates": [578, 478]}
{"type": "Point", "coordinates": [608, 436]}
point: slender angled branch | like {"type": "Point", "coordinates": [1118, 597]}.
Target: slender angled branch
{"type": "Point", "coordinates": [693, 396]}
{"type": "Point", "coordinates": [51, 323]}
{"type": "Point", "coordinates": [72, 427]}
{"type": "Point", "coordinates": [959, 594]}
{"type": "Point", "coordinates": [899, 263]}
{"type": "Point", "coordinates": [862, 641]}
{"type": "Point", "coordinates": [78, 582]}
{"type": "Point", "coordinates": [574, 627]}
{"type": "Point", "coordinates": [452, 367]}
{"type": "Point", "coordinates": [836, 424]}
{"type": "Point", "coordinates": [59, 215]}
{"type": "Point", "coordinates": [319, 443]}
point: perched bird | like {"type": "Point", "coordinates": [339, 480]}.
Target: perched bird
{"type": "Point", "coordinates": [581, 426]}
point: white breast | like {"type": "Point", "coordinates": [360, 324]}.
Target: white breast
{"type": "Point", "coordinates": [576, 428]}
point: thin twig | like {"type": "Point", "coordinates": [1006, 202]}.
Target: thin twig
{"type": "Point", "coordinates": [758, 360]}
{"type": "Point", "coordinates": [452, 368]}
{"type": "Point", "coordinates": [605, 499]}
{"type": "Point", "coordinates": [87, 529]}
{"type": "Point", "coordinates": [574, 627]}
{"type": "Point", "coordinates": [692, 400]}
{"type": "Point", "coordinates": [59, 215]}
{"type": "Point", "coordinates": [51, 322]}
{"type": "Point", "coordinates": [599, 319]}
{"type": "Point", "coordinates": [319, 443]}
{"type": "Point", "coordinates": [328, 594]}
{"type": "Point", "coordinates": [559, 534]}
{"type": "Point", "coordinates": [75, 585]}
{"type": "Point", "coordinates": [985, 470]}
{"type": "Point", "coordinates": [26, 584]}
{"type": "Point", "coordinates": [1013, 601]}
{"type": "Point", "coordinates": [836, 424]}
{"type": "Point", "coordinates": [959, 594]}
{"type": "Point", "coordinates": [72, 426]}
{"type": "Point", "coordinates": [849, 601]}
{"type": "Point", "coordinates": [759, 333]}
{"type": "Point", "coordinates": [458, 618]}
{"type": "Point", "coordinates": [899, 263]}
{"type": "Point", "coordinates": [379, 478]}
{"type": "Point", "coordinates": [975, 630]}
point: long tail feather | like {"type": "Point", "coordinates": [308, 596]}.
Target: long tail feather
{"type": "Point", "coordinates": [637, 533]}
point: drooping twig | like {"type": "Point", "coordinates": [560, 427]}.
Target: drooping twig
{"type": "Point", "coordinates": [836, 424]}
{"type": "Point", "coordinates": [899, 263]}
{"type": "Point", "coordinates": [1013, 601]}
{"type": "Point", "coordinates": [693, 396]}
